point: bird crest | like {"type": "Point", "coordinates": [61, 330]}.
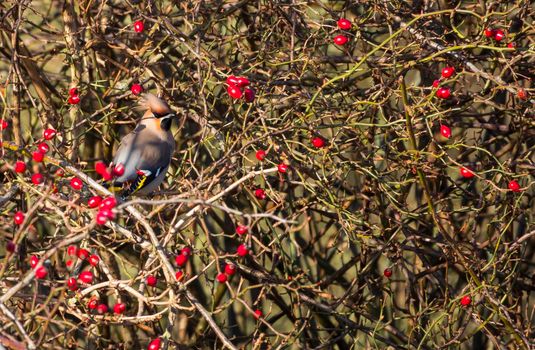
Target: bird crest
{"type": "Point", "coordinates": [154, 104]}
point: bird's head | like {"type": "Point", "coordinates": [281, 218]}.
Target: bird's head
{"type": "Point", "coordinates": [160, 110]}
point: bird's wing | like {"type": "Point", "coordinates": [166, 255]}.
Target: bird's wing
{"type": "Point", "coordinates": [144, 156]}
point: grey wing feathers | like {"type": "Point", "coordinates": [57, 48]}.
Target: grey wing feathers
{"type": "Point", "coordinates": [142, 151]}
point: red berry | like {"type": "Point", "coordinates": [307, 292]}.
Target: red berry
{"type": "Point", "coordinates": [443, 93]}
{"type": "Point", "coordinates": [242, 82]}
{"type": "Point", "coordinates": [387, 272]}
{"type": "Point", "coordinates": [34, 260]}
{"type": "Point", "coordinates": [181, 259]}
{"type": "Point", "coordinates": [466, 173]}
{"type": "Point", "coordinates": [151, 280]}
{"type": "Point", "coordinates": [499, 35]}
{"type": "Point", "coordinates": [241, 229]}
{"type": "Point", "coordinates": [522, 94]}
{"type": "Point", "coordinates": [283, 168]}
{"type": "Point", "coordinates": [41, 272]}
{"type": "Point", "coordinates": [155, 344]}
{"type": "Point", "coordinates": [448, 72]}
{"type": "Point", "coordinates": [76, 183]}
{"type": "Point", "coordinates": [94, 201]}
{"type": "Point", "coordinates": [92, 303]}
{"type": "Point", "coordinates": [106, 176]}
{"type": "Point", "coordinates": [49, 134]}
{"type": "Point", "coordinates": [11, 246]}
{"type": "Point", "coordinates": [43, 147]}
{"type": "Point", "coordinates": [72, 250]}
{"type": "Point", "coordinates": [108, 203]}
{"type": "Point", "coordinates": [102, 308]}
{"type": "Point", "coordinates": [234, 92]}
{"type": "Point", "coordinates": [436, 83]}
{"type": "Point", "coordinates": [139, 26]}
{"type": "Point", "coordinates": [222, 278]}
{"type": "Point", "coordinates": [249, 95]}
{"type": "Point", "coordinates": [232, 80]}
{"type": "Point", "coordinates": [19, 218]}
{"type": "Point", "coordinates": [136, 89]}
{"type": "Point", "coordinates": [86, 277]}
{"type": "Point", "coordinates": [82, 253]}
{"type": "Point", "coordinates": [260, 155]}
{"type": "Point", "coordinates": [70, 264]}
{"type": "Point", "coordinates": [38, 156]}
{"type": "Point", "coordinates": [119, 308]}
{"type": "Point", "coordinates": [260, 193]}
{"type": "Point", "coordinates": [178, 275]}
{"type": "Point", "coordinates": [3, 124]}
{"type": "Point", "coordinates": [118, 170]}
{"type": "Point", "coordinates": [257, 314]}
{"type": "Point", "coordinates": [101, 218]}
{"type": "Point", "coordinates": [230, 269]}
{"type": "Point", "coordinates": [489, 32]}
{"type": "Point", "coordinates": [72, 284]}
{"type": "Point", "coordinates": [511, 45]}
{"type": "Point", "coordinates": [108, 213]}
{"type": "Point", "coordinates": [514, 186]}
{"type": "Point", "coordinates": [340, 40]}
{"type": "Point", "coordinates": [100, 168]}
{"type": "Point", "coordinates": [344, 24]}
{"type": "Point", "coordinates": [242, 250]}
{"type": "Point", "coordinates": [20, 166]}
{"type": "Point", "coordinates": [186, 251]}
{"type": "Point", "coordinates": [318, 142]}
{"type": "Point", "coordinates": [37, 179]}
{"type": "Point", "coordinates": [445, 131]}
{"type": "Point", "coordinates": [73, 91]}
{"type": "Point", "coordinates": [94, 260]}
{"type": "Point", "coordinates": [466, 300]}
{"type": "Point", "coordinates": [74, 100]}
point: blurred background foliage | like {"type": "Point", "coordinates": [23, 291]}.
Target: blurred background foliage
{"type": "Point", "coordinates": [346, 211]}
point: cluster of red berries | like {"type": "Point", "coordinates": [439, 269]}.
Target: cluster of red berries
{"type": "Point", "coordinates": [444, 92]}
{"type": "Point", "coordinates": [282, 167]}
{"type": "Point", "coordinates": [39, 154]}
{"type": "Point", "coordinates": [496, 34]}
{"type": "Point", "coordinates": [228, 272]}
{"type": "Point", "coordinates": [101, 308]}
{"type": "Point", "coordinates": [445, 130]}
{"type": "Point", "coordinates": [180, 260]}
{"type": "Point", "coordinates": [343, 24]}
{"type": "Point", "coordinates": [85, 277]}
{"type": "Point", "coordinates": [105, 208]}
{"type": "Point", "coordinates": [467, 173]}
{"type": "Point", "coordinates": [41, 271]}
{"type": "Point", "coordinates": [317, 142]}
{"type": "Point", "coordinates": [74, 98]}
{"type": "Point", "coordinates": [103, 170]}
{"type": "Point", "coordinates": [237, 88]}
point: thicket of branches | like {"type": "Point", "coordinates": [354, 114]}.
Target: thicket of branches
{"type": "Point", "coordinates": [384, 195]}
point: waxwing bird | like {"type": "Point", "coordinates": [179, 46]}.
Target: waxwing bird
{"type": "Point", "coordinates": [146, 152]}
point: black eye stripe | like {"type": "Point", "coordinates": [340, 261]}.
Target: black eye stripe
{"type": "Point", "coordinates": [161, 115]}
